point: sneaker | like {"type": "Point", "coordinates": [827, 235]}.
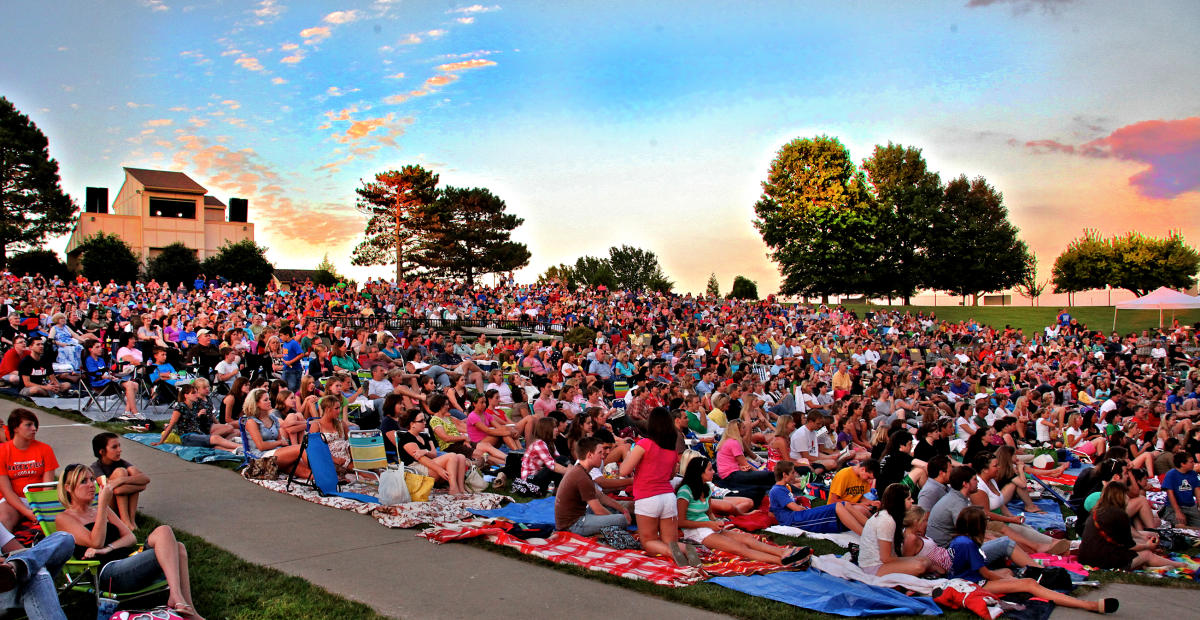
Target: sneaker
{"type": "Point", "coordinates": [500, 482]}
{"type": "Point", "coordinates": [854, 552]}
{"type": "Point", "coordinates": [677, 554]}
{"type": "Point", "coordinates": [801, 556]}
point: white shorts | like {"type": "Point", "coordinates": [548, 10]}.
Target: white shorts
{"type": "Point", "coordinates": [698, 534]}
{"type": "Point", "coordinates": [662, 506]}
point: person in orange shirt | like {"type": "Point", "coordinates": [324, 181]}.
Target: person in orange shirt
{"type": "Point", "coordinates": [23, 461]}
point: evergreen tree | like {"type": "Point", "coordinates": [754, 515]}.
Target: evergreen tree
{"type": "Point", "coordinates": [392, 201]}
{"type": "Point", "coordinates": [466, 233]}
{"type": "Point", "coordinates": [713, 289]}
{"type": "Point", "coordinates": [32, 202]}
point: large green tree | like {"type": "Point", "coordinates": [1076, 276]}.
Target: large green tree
{"type": "Point", "coordinates": [974, 249]}
{"type": "Point", "coordinates": [107, 257]}
{"type": "Point", "coordinates": [176, 263]}
{"type": "Point", "coordinates": [1142, 263]}
{"type": "Point", "coordinates": [1086, 264]}
{"type": "Point", "coordinates": [32, 202]}
{"type": "Point", "coordinates": [243, 261]}
{"type": "Point", "coordinates": [393, 201]}
{"type": "Point", "coordinates": [637, 269]}
{"type": "Point", "coordinates": [743, 288]}
{"type": "Point", "coordinates": [818, 221]}
{"type": "Point", "coordinates": [592, 271]}
{"type": "Point", "coordinates": [561, 273]}
{"type": "Point", "coordinates": [909, 197]}
{"type": "Point", "coordinates": [466, 233]}
{"type": "Point", "coordinates": [39, 260]}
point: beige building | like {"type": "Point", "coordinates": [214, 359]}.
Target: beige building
{"type": "Point", "coordinates": [155, 208]}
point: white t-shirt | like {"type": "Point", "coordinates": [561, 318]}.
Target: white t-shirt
{"type": "Point", "coordinates": [804, 443]}
{"type": "Point", "coordinates": [959, 423]}
{"type": "Point", "coordinates": [879, 527]}
{"type": "Point", "coordinates": [1043, 429]}
{"type": "Point", "coordinates": [379, 389]}
{"type": "Point", "coordinates": [223, 368]}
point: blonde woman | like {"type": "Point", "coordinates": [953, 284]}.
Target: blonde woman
{"type": "Point", "coordinates": [735, 469]}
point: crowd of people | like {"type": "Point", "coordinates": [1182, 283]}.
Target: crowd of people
{"type": "Point", "coordinates": [671, 412]}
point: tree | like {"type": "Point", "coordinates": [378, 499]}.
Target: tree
{"type": "Point", "coordinates": [743, 288]}
{"type": "Point", "coordinates": [177, 263]}
{"type": "Point", "coordinates": [561, 273]}
{"type": "Point", "coordinates": [243, 261]}
{"type": "Point", "coordinates": [636, 269]}
{"type": "Point", "coordinates": [817, 219]}
{"type": "Point", "coordinates": [1141, 263]}
{"type": "Point", "coordinates": [713, 288]}
{"type": "Point", "coordinates": [107, 257]}
{"type": "Point", "coordinates": [392, 201]}
{"type": "Point", "coordinates": [40, 260]}
{"type": "Point", "coordinates": [327, 274]}
{"type": "Point", "coordinates": [1086, 264]}
{"type": "Point", "coordinates": [32, 202]}
{"type": "Point", "coordinates": [465, 233]}
{"type": "Point", "coordinates": [1029, 287]}
{"type": "Point", "coordinates": [909, 196]}
{"type": "Point", "coordinates": [974, 248]}
{"type": "Point", "coordinates": [593, 272]}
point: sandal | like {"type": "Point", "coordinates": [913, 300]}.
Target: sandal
{"type": "Point", "coordinates": [183, 609]}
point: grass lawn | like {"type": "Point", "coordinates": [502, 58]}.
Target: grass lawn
{"type": "Point", "coordinates": [1033, 319]}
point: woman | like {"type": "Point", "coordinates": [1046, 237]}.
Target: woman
{"type": "Point", "coordinates": [993, 498]}
{"type": "Point", "coordinates": [652, 463]}
{"type": "Point", "coordinates": [881, 548]}
{"type": "Point", "coordinates": [779, 449]}
{"type": "Point", "coordinates": [539, 468]}
{"type": "Point", "coordinates": [189, 419]}
{"type": "Point", "coordinates": [66, 341]}
{"type": "Point", "coordinates": [101, 536]}
{"type": "Point", "coordinates": [335, 431]}
{"type": "Point", "coordinates": [700, 526]}
{"type": "Point", "coordinates": [264, 430]}
{"type": "Point", "coordinates": [448, 430]}
{"type": "Point", "coordinates": [734, 470]}
{"type": "Point", "coordinates": [1078, 439]}
{"type": "Point", "coordinates": [1109, 541]}
{"type": "Point", "coordinates": [460, 401]}
{"type": "Point", "coordinates": [342, 358]}
{"type": "Point", "coordinates": [234, 401]}
{"type": "Point", "coordinates": [419, 456]}
{"type": "Point", "coordinates": [970, 564]}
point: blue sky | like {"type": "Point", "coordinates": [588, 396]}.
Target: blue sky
{"type": "Point", "coordinates": [618, 123]}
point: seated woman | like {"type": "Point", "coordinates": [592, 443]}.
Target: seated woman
{"type": "Point", "coordinates": [264, 430]}
{"type": "Point", "coordinates": [970, 564]}
{"type": "Point", "coordinates": [419, 455]}
{"type": "Point", "coordinates": [734, 468]}
{"type": "Point", "coordinates": [449, 431]}
{"type": "Point", "coordinates": [698, 524]}
{"type": "Point", "coordinates": [66, 342]}
{"type": "Point", "coordinates": [102, 379]}
{"type": "Point", "coordinates": [778, 449]}
{"type": "Point", "coordinates": [993, 498]}
{"type": "Point", "coordinates": [1083, 440]}
{"type": "Point", "coordinates": [538, 467]}
{"type": "Point", "coordinates": [102, 536]}
{"type": "Point", "coordinates": [235, 400]}
{"type": "Point", "coordinates": [110, 465]}
{"type": "Point", "coordinates": [1108, 538]}
{"type": "Point", "coordinates": [881, 550]}
{"type": "Point", "coordinates": [484, 426]}
{"type": "Point", "coordinates": [185, 421]}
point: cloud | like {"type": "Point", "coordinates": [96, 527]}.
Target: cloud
{"type": "Point", "coordinates": [267, 11]}
{"type": "Point", "coordinates": [474, 8]}
{"type": "Point", "coordinates": [343, 115]}
{"type": "Point", "coordinates": [409, 39]}
{"type": "Point", "coordinates": [156, 5]}
{"type": "Point", "coordinates": [158, 122]}
{"type": "Point", "coordinates": [249, 63]}
{"type": "Point", "coordinates": [232, 103]}
{"type": "Point", "coordinates": [287, 47]}
{"type": "Point", "coordinates": [1021, 6]}
{"type": "Point", "coordinates": [435, 33]}
{"type": "Point", "coordinates": [341, 17]}
{"type": "Point", "coordinates": [314, 35]}
{"type": "Point", "coordinates": [293, 59]}
{"type": "Point", "coordinates": [333, 91]}
{"type": "Point", "coordinates": [395, 76]}
{"type": "Point", "coordinates": [440, 80]}
{"type": "Point", "coordinates": [1169, 150]}
{"type": "Point", "coordinates": [395, 99]}
{"type": "Point", "coordinates": [466, 64]}
{"type": "Point", "coordinates": [465, 20]}
{"type": "Point", "coordinates": [278, 80]}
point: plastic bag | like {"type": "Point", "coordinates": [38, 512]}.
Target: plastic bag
{"type": "Point", "coordinates": [393, 489]}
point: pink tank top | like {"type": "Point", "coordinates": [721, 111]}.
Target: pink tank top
{"type": "Point", "coordinates": [653, 474]}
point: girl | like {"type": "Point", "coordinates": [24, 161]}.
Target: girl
{"type": "Point", "coordinates": [735, 470]}
{"type": "Point", "coordinates": [539, 469]}
{"type": "Point", "coordinates": [486, 431]}
{"type": "Point", "coordinates": [652, 463]}
{"type": "Point", "coordinates": [779, 449]}
{"type": "Point", "coordinates": [264, 430]}
{"type": "Point", "coordinates": [700, 526]}
{"type": "Point", "coordinates": [881, 551]}
{"type": "Point", "coordinates": [419, 456]}
{"type": "Point", "coordinates": [1108, 540]}
{"type": "Point", "coordinates": [1077, 438]}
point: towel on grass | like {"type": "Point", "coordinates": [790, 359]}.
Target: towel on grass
{"type": "Point", "coordinates": [1051, 519]}
{"type": "Point", "coordinates": [194, 454]}
{"type": "Point", "coordinates": [534, 512]}
{"type": "Point", "coordinates": [819, 591]}
{"type": "Point", "coordinates": [841, 539]}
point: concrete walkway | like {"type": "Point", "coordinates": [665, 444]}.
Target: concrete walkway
{"type": "Point", "coordinates": [391, 570]}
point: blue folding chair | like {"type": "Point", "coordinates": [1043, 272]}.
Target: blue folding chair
{"type": "Point", "coordinates": [324, 472]}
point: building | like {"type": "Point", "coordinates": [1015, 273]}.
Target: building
{"type": "Point", "coordinates": [155, 208]}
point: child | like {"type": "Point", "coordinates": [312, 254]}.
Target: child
{"type": "Point", "coordinates": [828, 519]}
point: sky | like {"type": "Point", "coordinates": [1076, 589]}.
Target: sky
{"type": "Point", "coordinates": [647, 124]}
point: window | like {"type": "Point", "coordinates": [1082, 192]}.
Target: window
{"type": "Point", "coordinates": [167, 207]}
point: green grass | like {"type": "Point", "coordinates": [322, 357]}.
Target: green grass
{"type": "Point", "coordinates": [1033, 319]}
{"type": "Point", "coordinates": [225, 586]}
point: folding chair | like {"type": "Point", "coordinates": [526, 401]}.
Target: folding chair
{"type": "Point", "coordinates": [368, 453]}
{"type": "Point", "coordinates": [323, 476]}
{"type": "Point", "coordinates": [82, 575]}
{"type": "Point", "coordinates": [90, 395]}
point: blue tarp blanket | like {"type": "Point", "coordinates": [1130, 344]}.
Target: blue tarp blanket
{"type": "Point", "coordinates": [535, 512]}
{"type": "Point", "coordinates": [1052, 519]}
{"type": "Point", "coordinates": [188, 453]}
{"type": "Point", "coordinates": [813, 589]}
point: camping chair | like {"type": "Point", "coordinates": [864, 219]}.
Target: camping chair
{"type": "Point", "coordinates": [368, 453]}
{"type": "Point", "coordinates": [90, 395]}
{"type": "Point", "coordinates": [82, 575]}
{"type": "Point", "coordinates": [324, 476]}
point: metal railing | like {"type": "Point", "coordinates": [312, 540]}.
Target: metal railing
{"type": "Point", "coordinates": [523, 327]}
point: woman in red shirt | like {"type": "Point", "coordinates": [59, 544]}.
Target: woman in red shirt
{"type": "Point", "coordinates": [652, 462]}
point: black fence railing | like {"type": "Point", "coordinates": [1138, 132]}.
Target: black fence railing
{"type": "Point", "coordinates": [523, 327]}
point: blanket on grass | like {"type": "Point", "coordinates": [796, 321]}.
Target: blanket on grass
{"type": "Point", "coordinates": [441, 507]}
{"type": "Point", "coordinates": [585, 552]}
{"type": "Point", "coordinates": [1050, 519]}
{"type": "Point", "coordinates": [534, 512]}
{"type": "Point", "coordinates": [819, 591]}
{"type": "Point", "coordinates": [841, 539]}
{"type": "Point", "coordinates": [194, 454]}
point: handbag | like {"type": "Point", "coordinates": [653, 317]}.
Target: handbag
{"type": "Point", "coordinates": [419, 486]}
{"type": "Point", "coordinates": [263, 468]}
{"type": "Point", "coordinates": [474, 481]}
{"type": "Point", "coordinates": [159, 613]}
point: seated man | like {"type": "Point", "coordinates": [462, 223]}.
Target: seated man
{"type": "Point", "coordinates": [37, 377]}
{"type": "Point", "coordinates": [938, 483]}
{"type": "Point", "coordinates": [23, 461]}
{"type": "Point", "coordinates": [831, 518]}
{"type": "Point", "coordinates": [1182, 486]}
{"type": "Point", "coordinates": [110, 467]}
{"type": "Point", "coordinates": [27, 575]}
{"type": "Point", "coordinates": [12, 361]}
{"type": "Point", "coordinates": [852, 483]}
{"type": "Point", "coordinates": [579, 506]}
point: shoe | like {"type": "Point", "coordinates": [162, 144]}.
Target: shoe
{"type": "Point", "coordinates": [854, 553]}
{"type": "Point", "coordinates": [689, 551]}
{"type": "Point", "coordinates": [1060, 547]}
{"type": "Point", "coordinates": [8, 576]}
{"type": "Point", "coordinates": [1110, 606]}
{"type": "Point", "coordinates": [677, 554]}
{"type": "Point", "coordinates": [500, 481]}
{"type": "Point", "coordinates": [803, 556]}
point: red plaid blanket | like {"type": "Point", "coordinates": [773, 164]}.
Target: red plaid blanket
{"type": "Point", "coordinates": [1066, 480]}
{"type": "Point", "coordinates": [568, 548]}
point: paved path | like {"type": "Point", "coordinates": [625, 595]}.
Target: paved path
{"type": "Point", "coordinates": [391, 570]}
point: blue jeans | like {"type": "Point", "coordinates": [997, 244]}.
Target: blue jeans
{"type": "Point", "coordinates": [37, 593]}
{"type": "Point", "coordinates": [997, 549]}
{"type": "Point", "coordinates": [291, 376]}
{"type": "Point", "coordinates": [439, 375]}
{"type": "Point", "coordinates": [591, 523]}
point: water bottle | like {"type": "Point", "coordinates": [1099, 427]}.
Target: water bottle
{"type": "Point", "coordinates": [105, 608]}
{"type": "Point", "coordinates": [552, 488]}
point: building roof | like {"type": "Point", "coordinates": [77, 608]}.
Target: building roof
{"type": "Point", "coordinates": [166, 180]}
{"type": "Point", "coordinates": [212, 201]}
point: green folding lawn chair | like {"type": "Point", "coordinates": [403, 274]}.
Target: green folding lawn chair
{"type": "Point", "coordinates": [82, 575]}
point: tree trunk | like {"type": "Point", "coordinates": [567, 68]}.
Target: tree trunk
{"type": "Point", "coordinates": [907, 299]}
{"type": "Point", "coordinates": [825, 299]}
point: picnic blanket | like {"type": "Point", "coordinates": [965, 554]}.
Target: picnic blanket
{"type": "Point", "coordinates": [157, 413]}
{"type": "Point", "coordinates": [841, 539]}
{"type": "Point", "coordinates": [441, 507]}
{"type": "Point", "coordinates": [820, 591]}
{"type": "Point", "coordinates": [194, 454]}
{"type": "Point", "coordinates": [1063, 480]}
{"type": "Point", "coordinates": [1051, 519]}
{"type": "Point", "coordinates": [535, 512]}
{"type": "Point", "coordinates": [844, 568]}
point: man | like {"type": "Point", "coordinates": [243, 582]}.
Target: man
{"type": "Point", "coordinates": [805, 445]}
{"type": "Point", "coordinates": [292, 353]}
{"type": "Point", "coordinates": [111, 467]}
{"type": "Point", "coordinates": [579, 506]}
{"type": "Point", "coordinates": [27, 575]}
{"type": "Point", "coordinates": [1182, 486]}
{"type": "Point", "coordinates": [35, 375]}
{"type": "Point", "coordinates": [204, 353]}
{"type": "Point", "coordinates": [23, 461]}
{"type": "Point", "coordinates": [378, 387]}
{"type": "Point", "coordinates": [228, 369]}
{"type": "Point", "coordinates": [602, 368]}
{"type": "Point", "coordinates": [831, 518]}
{"type": "Point", "coordinates": [12, 360]}
{"type": "Point", "coordinates": [852, 483]}
{"type": "Point", "coordinates": [938, 483]}
{"type": "Point", "coordinates": [842, 382]}
{"type": "Point", "coordinates": [962, 483]}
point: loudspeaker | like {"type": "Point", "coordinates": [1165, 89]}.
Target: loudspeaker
{"type": "Point", "coordinates": [97, 200]}
{"type": "Point", "coordinates": [237, 209]}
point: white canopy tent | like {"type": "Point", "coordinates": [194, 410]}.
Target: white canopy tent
{"type": "Point", "coordinates": [1161, 299]}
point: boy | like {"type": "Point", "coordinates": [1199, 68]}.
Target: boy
{"type": "Point", "coordinates": [1182, 485]}
{"type": "Point", "coordinates": [831, 518]}
{"type": "Point", "coordinates": [852, 483]}
{"type": "Point", "coordinates": [579, 506]}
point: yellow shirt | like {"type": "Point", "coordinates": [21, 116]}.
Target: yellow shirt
{"type": "Point", "coordinates": [848, 486]}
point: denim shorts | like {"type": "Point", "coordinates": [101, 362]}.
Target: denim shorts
{"type": "Point", "coordinates": [132, 573]}
{"type": "Point", "coordinates": [199, 440]}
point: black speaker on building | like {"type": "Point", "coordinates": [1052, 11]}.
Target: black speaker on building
{"type": "Point", "coordinates": [97, 200]}
{"type": "Point", "coordinates": [237, 209]}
